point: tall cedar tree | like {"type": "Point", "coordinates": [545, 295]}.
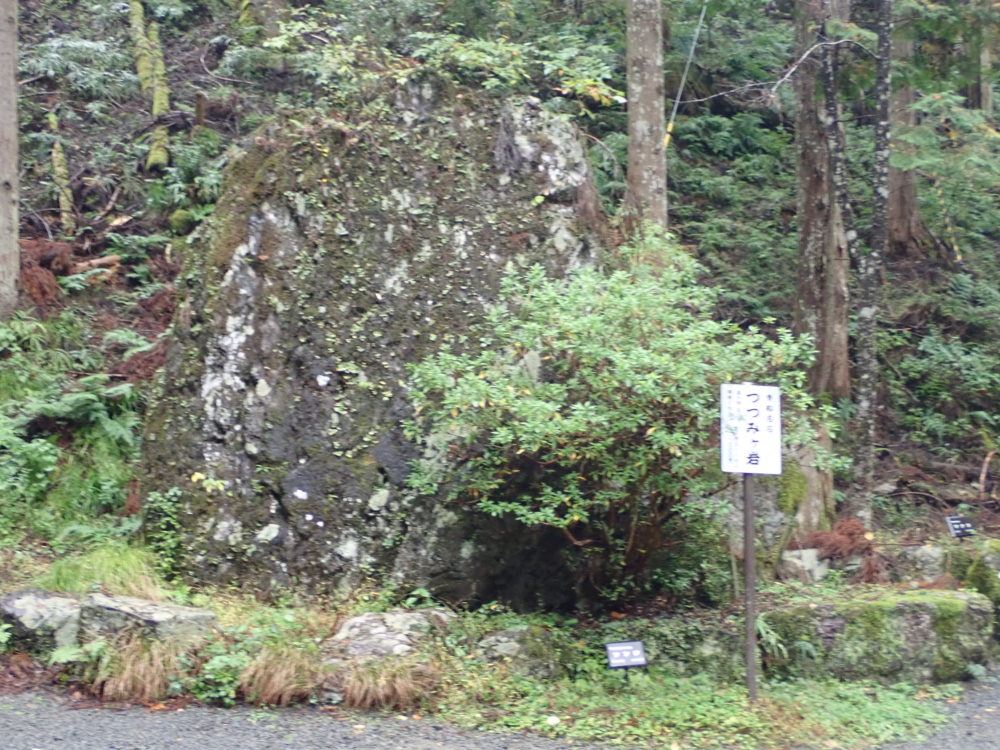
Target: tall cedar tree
{"type": "Point", "coordinates": [646, 193]}
{"type": "Point", "coordinates": [823, 264]}
{"type": "Point", "coordinates": [9, 252]}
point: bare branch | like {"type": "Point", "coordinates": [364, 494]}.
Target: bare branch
{"type": "Point", "coordinates": [773, 88]}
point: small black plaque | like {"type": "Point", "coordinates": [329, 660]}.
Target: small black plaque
{"type": "Point", "coordinates": [960, 526]}
{"type": "Point", "coordinates": [626, 654]}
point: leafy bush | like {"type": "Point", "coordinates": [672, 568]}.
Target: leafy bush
{"type": "Point", "coordinates": [592, 407]}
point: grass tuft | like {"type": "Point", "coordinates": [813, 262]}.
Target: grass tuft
{"type": "Point", "coordinates": [280, 675]}
{"type": "Point", "coordinates": [114, 567]}
{"type": "Point", "coordinates": [140, 671]}
{"type": "Point", "coordinates": [397, 684]}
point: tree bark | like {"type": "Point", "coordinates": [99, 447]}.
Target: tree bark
{"type": "Point", "coordinates": [9, 186]}
{"type": "Point", "coordinates": [152, 72]}
{"type": "Point", "coordinates": [908, 237]}
{"type": "Point", "coordinates": [60, 177]}
{"type": "Point", "coordinates": [159, 139]}
{"type": "Point", "coordinates": [646, 190]}
{"type": "Point", "coordinates": [870, 265]}
{"type": "Point", "coordinates": [823, 263]}
{"type": "Point", "coordinates": [980, 61]}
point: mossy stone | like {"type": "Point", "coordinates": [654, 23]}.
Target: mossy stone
{"type": "Point", "coordinates": [182, 221]}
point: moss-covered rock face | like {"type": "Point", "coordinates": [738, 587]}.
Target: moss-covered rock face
{"type": "Point", "coordinates": [344, 248]}
{"type": "Point", "coordinates": [918, 636]}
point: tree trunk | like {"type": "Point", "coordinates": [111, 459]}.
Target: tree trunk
{"type": "Point", "coordinates": [159, 138]}
{"type": "Point", "coordinates": [870, 266]}
{"type": "Point", "coordinates": [152, 72]}
{"type": "Point", "coordinates": [60, 177]}
{"type": "Point", "coordinates": [9, 251]}
{"type": "Point", "coordinates": [908, 237]}
{"type": "Point", "coordinates": [979, 48]}
{"type": "Point", "coordinates": [646, 192]}
{"type": "Point", "coordinates": [823, 262]}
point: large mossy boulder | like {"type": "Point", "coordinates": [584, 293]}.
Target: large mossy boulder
{"type": "Point", "coordinates": [346, 246]}
{"type": "Point", "coordinates": [885, 634]}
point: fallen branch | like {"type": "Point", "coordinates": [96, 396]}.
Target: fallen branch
{"type": "Point", "coordinates": [109, 262]}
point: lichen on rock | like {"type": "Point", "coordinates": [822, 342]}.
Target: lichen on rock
{"type": "Point", "coordinates": [343, 249]}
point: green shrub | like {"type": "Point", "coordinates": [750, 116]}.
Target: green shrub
{"type": "Point", "coordinates": [592, 407]}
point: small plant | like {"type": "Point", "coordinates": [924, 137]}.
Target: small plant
{"type": "Point", "coordinates": [162, 529]}
{"type": "Point", "coordinates": [5, 636]}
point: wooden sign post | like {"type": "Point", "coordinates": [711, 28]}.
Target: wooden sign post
{"type": "Point", "coordinates": [751, 444]}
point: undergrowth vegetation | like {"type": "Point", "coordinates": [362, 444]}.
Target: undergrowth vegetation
{"type": "Point", "coordinates": [68, 433]}
{"type": "Point", "coordinates": [276, 655]}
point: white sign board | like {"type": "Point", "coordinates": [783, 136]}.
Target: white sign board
{"type": "Point", "coordinates": [751, 429]}
{"type": "Point", "coordinates": [626, 654]}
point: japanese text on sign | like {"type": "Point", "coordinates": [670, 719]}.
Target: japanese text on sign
{"type": "Point", "coordinates": [751, 429]}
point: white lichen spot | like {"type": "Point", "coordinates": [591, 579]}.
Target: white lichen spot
{"type": "Point", "coordinates": [397, 279]}
{"type": "Point", "coordinates": [268, 534]}
{"type": "Point", "coordinates": [467, 549]}
{"type": "Point", "coordinates": [378, 501]}
{"type": "Point", "coordinates": [347, 549]}
{"type": "Point", "coordinates": [262, 389]}
{"type": "Point", "coordinates": [300, 495]}
{"type": "Point", "coordinates": [309, 516]}
{"type": "Point", "coordinates": [228, 530]}
{"type": "Point", "coordinates": [323, 380]}
{"type": "Point", "coordinates": [251, 448]}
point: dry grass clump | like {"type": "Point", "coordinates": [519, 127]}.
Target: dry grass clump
{"type": "Point", "coordinates": [137, 670]}
{"type": "Point", "coordinates": [397, 684]}
{"type": "Point", "coordinates": [280, 675]}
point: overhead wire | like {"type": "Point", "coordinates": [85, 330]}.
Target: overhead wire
{"type": "Point", "coordinates": [687, 67]}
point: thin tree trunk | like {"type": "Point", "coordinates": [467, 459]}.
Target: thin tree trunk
{"type": "Point", "coordinates": [646, 192]}
{"type": "Point", "coordinates": [979, 46]}
{"type": "Point", "coordinates": [823, 262]}
{"type": "Point", "coordinates": [159, 139]}
{"type": "Point", "coordinates": [10, 256]}
{"type": "Point", "coordinates": [60, 176]}
{"type": "Point", "coordinates": [152, 72]}
{"type": "Point", "coordinates": [870, 265]}
{"type": "Point", "coordinates": [908, 237]}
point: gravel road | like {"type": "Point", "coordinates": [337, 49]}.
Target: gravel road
{"type": "Point", "coordinates": [34, 721]}
{"type": "Point", "coordinates": [975, 725]}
